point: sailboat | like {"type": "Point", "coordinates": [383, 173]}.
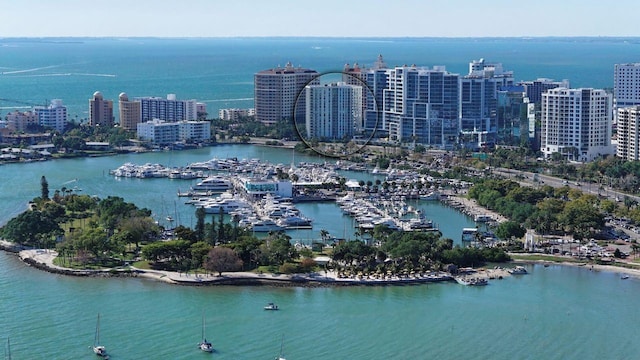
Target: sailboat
{"type": "Point", "coordinates": [97, 348]}
{"type": "Point", "coordinates": [281, 356]}
{"type": "Point", "coordinates": [204, 345]}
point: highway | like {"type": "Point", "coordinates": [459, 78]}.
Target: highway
{"type": "Point", "coordinates": [535, 179]}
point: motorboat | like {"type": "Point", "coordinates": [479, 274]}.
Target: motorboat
{"type": "Point", "coordinates": [271, 306]}
{"type": "Point", "coordinates": [483, 218]}
{"type": "Point", "coordinates": [471, 281]}
{"type": "Point", "coordinates": [213, 184]}
{"type": "Point", "coordinates": [518, 270]}
{"type": "Point", "coordinates": [225, 205]}
{"type": "Point", "coordinates": [431, 196]}
{"type": "Point", "coordinates": [294, 221]}
{"type": "Point", "coordinates": [265, 225]}
{"type": "Point", "coordinates": [624, 277]}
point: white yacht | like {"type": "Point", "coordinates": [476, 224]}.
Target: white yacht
{"type": "Point", "coordinates": [518, 270]}
{"type": "Point", "coordinates": [265, 225]}
{"type": "Point", "coordinates": [471, 281]}
{"type": "Point", "coordinates": [213, 184]}
{"type": "Point", "coordinates": [294, 221]}
{"type": "Point", "coordinates": [226, 205]}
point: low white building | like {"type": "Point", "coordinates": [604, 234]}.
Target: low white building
{"type": "Point", "coordinates": [195, 130]}
{"type": "Point", "coordinates": [258, 188]}
{"type": "Point", "coordinates": [160, 132]}
{"type": "Point", "coordinates": [235, 114]}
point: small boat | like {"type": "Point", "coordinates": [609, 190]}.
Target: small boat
{"type": "Point", "coordinates": [169, 219]}
{"type": "Point", "coordinates": [518, 270]}
{"type": "Point", "coordinates": [98, 349]}
{"type": "Point", "coordinates": [271, 306]}
{"type": "Point", "coordinates": [624, 277]}
{"type": "Point", "coordinates": [471, 281]}
{"type": "Point", "coordinates": [205, 345]}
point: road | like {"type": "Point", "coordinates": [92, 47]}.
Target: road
{"type": "Point", "coordinates": [534, 179]}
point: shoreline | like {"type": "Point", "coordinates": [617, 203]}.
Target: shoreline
{"type": "Point", "coordinates": [43, 260]}
{"type": "Point", "coordinates": [585, 265]}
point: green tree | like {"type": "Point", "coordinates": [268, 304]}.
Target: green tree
{"type": "Point", "coordinates": [278, 248]}
{"type": "Point", "coordinates": [44, 188]}
{"type": "Point", "coordinates": [31, 228]}
{"type": "Point", "coordinates": [200, 222]}
{"type": "Point", "coordinates": [510, 229]}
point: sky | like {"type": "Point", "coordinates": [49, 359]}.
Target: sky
{"type": "Point", "coordinates": [326, 18]}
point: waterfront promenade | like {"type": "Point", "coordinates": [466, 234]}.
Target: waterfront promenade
{"type": "Point", "coordinates": [43, 259]}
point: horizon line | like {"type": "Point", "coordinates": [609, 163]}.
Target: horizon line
{"type": "Point", "coordinates": [322, 37]}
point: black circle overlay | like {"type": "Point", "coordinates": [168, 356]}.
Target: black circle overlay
{"type": "Point", "coordinates": [355, 147]}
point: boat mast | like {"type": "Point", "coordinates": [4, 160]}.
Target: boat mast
{"type": "Point", "coordinates": [281, 346]}
{"type": "Point", "coordinates": [204, 325]}
{"type": "Point", "coordinates": [7, 354]}
{"type": "Point", "coordinates": [96, 338]}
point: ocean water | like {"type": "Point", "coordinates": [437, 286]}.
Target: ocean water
{"type": "Point", "coordinates": [219, 72]}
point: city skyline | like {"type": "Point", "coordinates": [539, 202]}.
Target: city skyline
{"type": "Point", "coordinates": [358, 18]}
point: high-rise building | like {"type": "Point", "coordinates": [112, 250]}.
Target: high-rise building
{"type": "Point", "coordinates": [420, 105]}
{"type": "Point", "coordinates": [100, 111]}
{"type": "Point", "coordinates": [53, 116]}
{"type": "Point", "coordinates": [479, 101]}
{"type": "Point", "coordinates": [626, 85]}
{"type": "Point", "coordinates": [19, 122]}
{"type": "Point", "coordinates": [511, 117]}
{"type": "Point", "coordinates": [333, 111]}
{"type": "Point", "coordinates": [628, 133]}
{"type": "Point", "coordinates": [279, 93]}
{"type": "Point", "coordinates": [576, 123]}
{"type": "Point", "coordinates": [167, 109]}
{"type": "Point", "coordinates": [130, 112]}
{"type": "Point", "coordinates": [374, 81]}
{"type": "Point", "coordinates": [535, 88]}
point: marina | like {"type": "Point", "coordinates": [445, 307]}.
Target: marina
{"type": "Point", "coordinates": [403, 309]}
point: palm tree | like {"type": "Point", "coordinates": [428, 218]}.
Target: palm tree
{"type": "Point", "coordinates": [324, 235]}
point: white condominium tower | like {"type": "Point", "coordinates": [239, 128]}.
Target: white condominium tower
{"type": "Point", "coordinates": [276, 93]}
{"type": "Point", "coordinates": [576, 123]}
{"type": "Point", "coordinates": [626, 85]}
{"type": "Point", "coordinates": [53, 116]}
{"type": "Point", "coordinates": [420, 105]}
{"type": "Point", "coordinates": [333, 111]}
{"type": "Point", "coordinates": [169, 109]}
{"type": "Point", "coordinates": [629, 133]}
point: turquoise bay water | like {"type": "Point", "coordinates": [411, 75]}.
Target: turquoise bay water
{"type": "Point", "coordinates": [553, 313]}
{"type": "Point", "coordinates": [220, 72]}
